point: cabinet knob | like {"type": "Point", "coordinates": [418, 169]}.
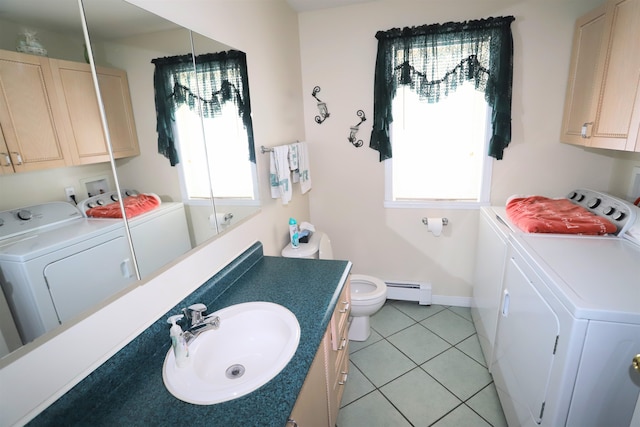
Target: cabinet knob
{"type": "Point", "coordinates": [636, 362]}
{"type": "Point", "coordinates": [343, 344]}
{"type": "Point", "coordinates": [345, 375]}
{"type": "Point", "coordinates": [7, 159]}
{"type": "Point", "coordinates": [583, 132]}
{"type": "Point", "coordinates": [292, 422]}
{"type": "Point", "coordinates": [18, 157]}
{"type": "Point", "coordinates": [346, 307]}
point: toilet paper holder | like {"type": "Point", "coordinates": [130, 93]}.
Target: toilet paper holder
{"type": "Point", "coordinates": [445, 221]}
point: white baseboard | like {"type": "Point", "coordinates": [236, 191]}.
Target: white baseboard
{"type": "Point", "coordinates": [421, 293]}
{"type": "Point", "coordinates": [449, 300]}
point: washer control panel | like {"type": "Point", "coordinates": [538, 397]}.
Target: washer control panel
{"type": "Point", "coordinates": [619, 212]}
{"type": "Point", "coordinates": [104, 199]}
{"type": "Point", "coordinates": [14, 222]}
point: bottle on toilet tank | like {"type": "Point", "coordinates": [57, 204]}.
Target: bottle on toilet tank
{"type": "Point", "coordinates": [293, 233]}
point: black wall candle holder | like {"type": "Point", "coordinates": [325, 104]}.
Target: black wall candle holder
{"type": "Point", "coordinates": [322, 107]}
{"type": "Point", "coordinates": [354, 130]}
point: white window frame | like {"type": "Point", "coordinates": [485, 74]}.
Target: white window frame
{"type": "Point", "coordinates": [485, 185]}
{"type": "Point", "coordinates": [218, 201]}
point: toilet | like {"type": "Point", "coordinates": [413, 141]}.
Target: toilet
{"type": "Point", "coordinates": [368, 294]}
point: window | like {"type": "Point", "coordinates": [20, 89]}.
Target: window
{"type": "Point", "coordinates": [215, 155]}
{"type": "Point", "coordinates": [439, 150]}
{"type": "Point", "coordinates": [221, 166]}
{"type": "Point", "coordinates": [442, 101]}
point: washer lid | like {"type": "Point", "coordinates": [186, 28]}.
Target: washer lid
{"type": "Point", "coordinates": [595, 277]}
{"type": "Point", "coordinates": [304, 250]}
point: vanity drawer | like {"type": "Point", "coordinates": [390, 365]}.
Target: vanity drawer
{"type": "Point", "coordinates": [337, 364]}
{"type": "Point", "coordinates": [340, 381]}
{"type": "Point", "coordinates": [340, 318]}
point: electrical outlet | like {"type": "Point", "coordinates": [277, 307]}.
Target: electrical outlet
{"type": "Point", "coordinates": [70, 193]}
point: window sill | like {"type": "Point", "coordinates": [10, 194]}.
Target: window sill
{"type": "Point", "coordinates": [443, 204]}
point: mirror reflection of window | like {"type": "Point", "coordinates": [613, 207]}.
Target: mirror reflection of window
{"type": "Point", "coordinates": [207, 96]}
{"type": "Point", "coordinates": [226, 151]}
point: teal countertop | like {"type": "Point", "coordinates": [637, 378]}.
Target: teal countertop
{"type": "Point", "coordinates": [128, 389]}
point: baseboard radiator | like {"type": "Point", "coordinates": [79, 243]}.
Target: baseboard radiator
{"type": "Point", "coordinates": [409, 291]}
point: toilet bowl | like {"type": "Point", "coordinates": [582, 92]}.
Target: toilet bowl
{"type": "Point", "coordinates": [368, 293]}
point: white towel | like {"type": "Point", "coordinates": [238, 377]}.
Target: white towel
{"type": "Point", "coordinates": [280, 174]}
{"type": "Point", "coordinates": [293, 156]}
{"type": "Point", "coordinates": [303, 167]}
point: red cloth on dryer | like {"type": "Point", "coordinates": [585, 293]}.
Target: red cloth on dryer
{"type": "Point", "coordinates": [537, 214]}
{"type": "Point", "coordinates": [133, 206]}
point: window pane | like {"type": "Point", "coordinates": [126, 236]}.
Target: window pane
{"type": "Point", "coordinates": [227, 151]}
{"type": "Point", "coordinates": [438, 149]}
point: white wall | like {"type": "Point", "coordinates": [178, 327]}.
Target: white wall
{"type": "Point", "coordinates": [268, 33]}
{"type": "Point", "coordinates": [338, 49]}
{"type": "Point", "coordinates": [338, 52]}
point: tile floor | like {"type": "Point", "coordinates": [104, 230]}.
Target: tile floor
{"type": "Point", "coordinates": [421, 366]}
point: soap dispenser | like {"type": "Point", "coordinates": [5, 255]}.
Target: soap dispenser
{"type": "Point", "coordinates": [178, 342]}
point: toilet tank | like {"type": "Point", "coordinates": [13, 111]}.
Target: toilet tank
{"type": "Point", "coordinates": [319, 246]}
{"type": "Point", "coordinates": [325, 250]}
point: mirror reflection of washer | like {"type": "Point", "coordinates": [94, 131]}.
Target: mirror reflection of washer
{"type": "Point", "coordinates": [58, 264]}
{"type": "Point", "coordinates": [159, 235]}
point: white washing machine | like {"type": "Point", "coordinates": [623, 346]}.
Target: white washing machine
{"type": "Point", "coordinates": [159, 235]}
{"type": "Point", "coordinates": [560, 318]}
{"type": "Point", "coordinates": [54, 264]}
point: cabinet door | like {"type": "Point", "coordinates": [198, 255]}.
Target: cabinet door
{"type": "Point", "coordinates": [114, 88]}
{"type": "Point", "coordinates": [31, 121]}
{"type": "Point", "coordinates": [337, 352]}
{"type": "Point", "coordinates": [617, 112]}
{"type": "Point", "coordinates": [311, 406]}
{"type": "Point", "coordinates": [581, 90]}
{"type": "Point", "coordinates": [84, 125]}
{"type": "Point", "coordinates": [5, 159]}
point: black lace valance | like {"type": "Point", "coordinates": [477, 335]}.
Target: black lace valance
{"type": "Point", "coordinates": [434, 60]}
{"type": "Point", "coordinates": [218, 78]}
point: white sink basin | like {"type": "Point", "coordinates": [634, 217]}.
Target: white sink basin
{"type": "Point", "coordinates": [254, 343]}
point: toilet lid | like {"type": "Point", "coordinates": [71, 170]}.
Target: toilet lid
{"type": "Point", "coordinates": [304, 250]}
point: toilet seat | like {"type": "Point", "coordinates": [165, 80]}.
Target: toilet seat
{"type": "Point", "coordinates": [380, 290]}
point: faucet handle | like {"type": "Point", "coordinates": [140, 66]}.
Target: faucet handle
{"type": "Point", "coordinates": [175, 318]}
{"type": "Point", "coordinates": [195, 313]}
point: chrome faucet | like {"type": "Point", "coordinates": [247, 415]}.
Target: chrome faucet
{"type": "Point", "coordinates": [198, 321]}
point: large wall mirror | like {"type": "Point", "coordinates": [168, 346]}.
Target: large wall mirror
{"type": "Point", "coordinates": [124, 40]}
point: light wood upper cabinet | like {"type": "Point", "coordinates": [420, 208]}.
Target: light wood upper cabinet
{"type": "Point", "coordinates": [74, 84]}
{"type": "Point", "coordinates": [6, 166]}
{"type": "Point", "coordinates": [602, 106]}
{"type": "Point", "coordinates": [30, 117]}
{"type": "Point", "coordinates": [581, 89]}
{"type": "Point", "coordinates": [49, 115]}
